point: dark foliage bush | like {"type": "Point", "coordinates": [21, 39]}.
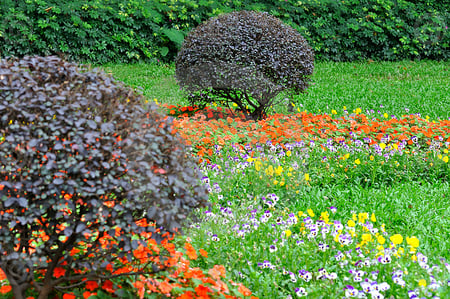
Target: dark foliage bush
{"type": "Point", "coordinates": [80, 160]}
{"type": "Point", "coordinates": [245, 58]}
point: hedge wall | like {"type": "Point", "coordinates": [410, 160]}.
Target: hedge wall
{"type": "Point", "coordinates": [101, 31]}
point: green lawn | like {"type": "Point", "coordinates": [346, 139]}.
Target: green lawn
{"type": "Point", "coordinates": [267, 254]}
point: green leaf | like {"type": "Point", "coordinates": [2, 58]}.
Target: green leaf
{"type": "Point", "coordinates": [174, 35]}
{"type": "Point", "coordinates": [164, 51]}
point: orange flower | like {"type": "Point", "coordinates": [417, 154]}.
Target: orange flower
{"type": "Point", "coordinates": [217, 271]}
{"type": "Point", "coordinates": [5, 289]}
{"type": "Point", "coordinates": [165, 287]}
{"type": "Point", "coordinates": [187, 295]}
{"type": "Point", "coordinates": [2, 275]}
{"type": "Point", "coordinates": [244, 291]}
{"type": "Point", "coordinates": [69, 296]}
{"type": "Point", "coordinates": [190, 251]}
{"type": "Point", "coordinates": [203, 253]}
{"type": "Point", "coordinates": [88, 294]}
{"type": "Point", "coordinates": [202, 290]}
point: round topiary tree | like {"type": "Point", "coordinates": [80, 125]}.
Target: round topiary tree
{"type": "Point", "coordinates": [245, 58]}
{"type": "Point", "coordinates": [82, 166]}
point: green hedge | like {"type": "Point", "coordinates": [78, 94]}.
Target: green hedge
{"type": "Point", "coordinates": [101, 31]}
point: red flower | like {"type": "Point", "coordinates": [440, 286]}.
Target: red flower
{"type": "Point", "coordinates": [58, 272]}
{"type": "Point", "coordinates": [108, 286]}
{"type": "Point", "coordinates": [91, 285]}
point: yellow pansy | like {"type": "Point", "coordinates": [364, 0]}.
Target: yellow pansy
{"type": "Point", "coordinates": [278, 170]}
{"type": "Point", "coordinates": [288, 233]}
{"type": "Point", "coordinates": [258, 165]}
{"type": "Point", "coordinates": [371, 158]}
{"type": "Point", "coordinates": [413, 241]}
{"type": "Point", "coordinates": [288, 153]}
{"type": "Point", "coordinates": [300, 214]}
{"type": "Point", "coordinates": [269, 170]}
{"type": "Point", "coordinates": [381, 239]}
{"type": "Point", "coordinates": [357, 162]}
{"type": "Point", "coordinates": [445, 159]}
{"type": "Point", "coordinates": [382, 145]}
{"type": "Point", "coordinates": [362, 217]}
{"type": "Point", "coordinates": [311, 212]}
{"type": "Point", "coordinates": [422, 283]}
{"type": "Point", "coordinates": [367, 237]}
{"type": "Point", "coordinates": [351, 223]}
{"type": "Point", "coordinates": [396, 239]}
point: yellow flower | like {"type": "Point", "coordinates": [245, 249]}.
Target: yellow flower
{"type": "Point", "coordinates": [381, 239]}
{"type": "Point", "coordinates": [300, 214]}
{"type": "Point", "coordinates": [279, 170]}
{"type": "Point", "coordinates": [288, 233]}
{"type": "Point", "coordinates": [311, 212]}
{"type": "Point", "coordinates": [282, 183]}
{"type": "Point", "coordinates": [333, 111]}
{"type": "Point", "coordinates": [275, 182]}
{"type": "Point", "coordinates": [385, 115]}
{"type": "Point", "coordinates": [351, 223]}
{"type": "Point", "coordinates": [258, 165]}
{"type": "Point", "coordinates": [325, 216]}
{"type": "Point", "coordinates": [307, 178]}
{"type": "Point", "coordinates": [250, 159]}
{"type": "Point", "coordinates": [422, 283]}
{"type": "Point", "coordinates": [288, 153]}
{"type": "Point", "coordinates": [269, 170]}
{"type": "Point", "coordinates": [354, 217]}
{"type": "Point", "coordinates": [382, 145]}
{"type": "Point", "coordinates": [357, 162]}
{"type": "Point", "coordinates": [367, 238]}
{"type": "Point", "coordinates": [373, 218]}
{"type": "Point", "coordinates": [446, 151]}
{"type": "Point", "coordinates": [362, 217]}
{"type": "Point", "coordinates": [371, 158]}
{"type": "Point", "coordinates": [445, 159]}
{"type": "Point", "coordinates": [396, 239]}
{"type": "Point", "coordinates": [414, 258]}
{"type": "Point", "coordinates": [413, 241]}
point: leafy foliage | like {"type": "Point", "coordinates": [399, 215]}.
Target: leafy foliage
{"type": "Point", "coordinates": [102, 31]}
{"type": "Point", "coordinates": [245, 58]}
{"type": "Point", "coordinates": [83, 162]}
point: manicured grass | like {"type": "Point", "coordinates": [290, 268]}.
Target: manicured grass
{"type": "Point", "coordinates": [398, 87]}
{"type": "Point", "coordinates": [386, 174]}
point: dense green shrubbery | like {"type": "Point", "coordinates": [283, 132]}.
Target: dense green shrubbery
{"type": "Point", "coordinates": [244, 58]}
{"type": "Point", "coordinates": [82, 161]}
{"type": "Point", "coordinates": [101, 31]}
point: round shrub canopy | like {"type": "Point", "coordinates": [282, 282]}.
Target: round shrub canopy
{"type": "Point", "coordinates": [244, 57]}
